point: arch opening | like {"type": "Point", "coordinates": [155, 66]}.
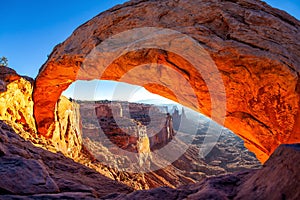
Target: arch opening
{"type": "Point", "coordinates": [113, 116]}
{"type": "Point", "coordinates": [261, 79]}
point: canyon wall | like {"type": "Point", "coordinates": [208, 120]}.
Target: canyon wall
{"type": "Point", "coordinates": [120, 124]}
{"type": "Point", "coordinates": [54, 172]}
{"type": "Point", "coordinates": [16, 109]}
{"type": "Point", "coordinates": [16, 105]}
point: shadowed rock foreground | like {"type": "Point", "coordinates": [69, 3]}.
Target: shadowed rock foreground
{"type": "Point", "coordinates": [278, 179]}
{"type": "Point", "coordinates": [29, 172]}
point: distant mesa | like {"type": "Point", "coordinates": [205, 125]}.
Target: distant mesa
{"type": "Point", "coordinates": [121, 123]}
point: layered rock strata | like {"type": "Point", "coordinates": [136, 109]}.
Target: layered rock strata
{"type": "Point", "coordinates": [16, 109]}
{"type": "Point", "coordinates": [29, 172]}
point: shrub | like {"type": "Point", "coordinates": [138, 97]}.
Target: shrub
{"type": "Point", "coordinates": [3, 61]}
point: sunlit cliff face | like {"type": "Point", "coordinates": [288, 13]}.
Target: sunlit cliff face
{"type": "Point", "coordinates": [254, 50]}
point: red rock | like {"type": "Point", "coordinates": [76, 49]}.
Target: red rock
{"type": "Point", "coordinates": [29, 171]}
{"type": "Point", "coordinates": [278, 179]}
{"type": "Point", "coordinates": [16, 105]}
{"type": "Point", "coordinates": [255, 48]}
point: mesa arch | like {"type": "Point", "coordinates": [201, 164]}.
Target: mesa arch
{"type": "Point", "coordinates": [255, 47]}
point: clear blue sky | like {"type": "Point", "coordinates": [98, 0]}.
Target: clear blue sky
{"type": "Point", "coordinates": [31, 28]}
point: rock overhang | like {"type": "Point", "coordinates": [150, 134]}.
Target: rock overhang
{"type": "Point", "coordinates": [255, 48]}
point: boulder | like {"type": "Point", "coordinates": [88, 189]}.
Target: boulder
{"type": "Point", "coordinates": [30, 172]}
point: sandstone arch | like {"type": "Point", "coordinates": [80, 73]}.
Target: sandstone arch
{"type": "Point", "coordinates": [255, 47]}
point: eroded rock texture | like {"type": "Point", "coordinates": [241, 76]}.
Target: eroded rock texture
{"type": "Point", "coordinates": [67, 130]}
{"type": "Point", "coordinates": [16, 105]}
{"type": "Point", "coordinates": [16, 109]}
{"type": "Point", "coordinates": [273, 181]}
{"type": "Point", "coordinates": [116, 144]}
{"type": "Point", "coordinates": [30, 172]}
{"type": "Point", "coordinates": [255, 48]}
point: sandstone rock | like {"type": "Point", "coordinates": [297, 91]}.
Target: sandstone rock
{"type": "Point", "coordinates": [228, 153]}
{"type": "Point", "coordinates": [255, 48]}
{"type": "Point", "coordinates": [62, 195]}
{"type": "Point", "coordinates": [8, 75]}
{"type": "Point", "coordinates": [106, 135]}
{"type": "Point", "coordinates": [122, 131]}
{"type": "Point", "coordinates": [67, 136]}
{"type": "Point", "coordinates": [278, 179]}
{"type": "Point", "coordinates": [25, 176]}
{"type": "Point", "coordinates": [67, 130]}
{"type": "Point", "coordinates": [16, 109]}
{"type": "Point", "coordinates": [39, 174]}
{"type": "Point", "coordinates": [16, 105]}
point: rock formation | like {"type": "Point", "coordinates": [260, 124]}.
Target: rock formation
{"type": "Point", "coordinates": [273, 181]}
{"type": "Point", "coordinates": [67, 133]}
{"type": "Point", "coordinates": [29, 172]}
{"type": "Point", "coordinates": [122, 130]}
{"type": "Point", "coordinates": [33, 173]}
{"type": "Point", "coordinates": [16, 105]}
{"type": "Point", "coordinates": [105, 134]}
{"type": "Point", "coordinates": [255, 48]}
{"type": "Point", "coordinates": [143, 147]}
{"type": "Point", "coordinates": [178, 118]}
{"type": "Point", "coordinates": [16, 109]}
{"type": "Point", "coordinates": [256, 51]}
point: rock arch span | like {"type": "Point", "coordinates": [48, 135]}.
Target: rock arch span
{"type": "Point", "coordinates": [256, 49]}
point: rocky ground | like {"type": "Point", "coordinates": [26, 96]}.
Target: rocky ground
{"type": "Point", "coordinates": [278, 179]}
{"type": "Point", "coordinates": [29, 172]}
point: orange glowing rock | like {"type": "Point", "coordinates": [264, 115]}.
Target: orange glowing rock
{"type": "Point", "coordinates": [255, 48]}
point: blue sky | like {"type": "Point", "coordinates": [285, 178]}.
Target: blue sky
{"type": "Point", "coordinates": [30, 29]}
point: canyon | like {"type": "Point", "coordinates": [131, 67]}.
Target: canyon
{"type": "Point", "coordinates": [29, 170]}
{"type": "Point", "coordinates": [111, 133]}
{"type": "Point", "coordinates": [247, 80]}
{"type": "Point", "coordinates": [76, 127]}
